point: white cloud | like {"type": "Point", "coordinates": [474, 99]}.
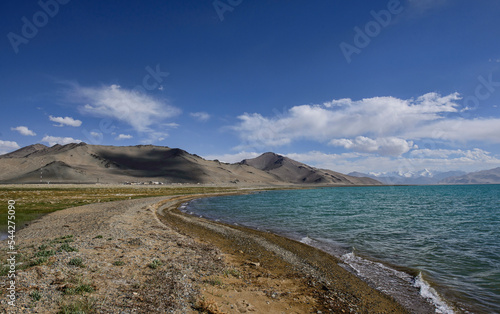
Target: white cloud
{"type": "Point", "coordinates": [95, 134]}
{"type": "Point", "coordinates": [23, 130]}
{"type": "Point", "coordinates": [386, 146]}
{"type": "Point", "coordinates": [172, 125]}
{"type": "Point", "coordinates": [377, 117]}
{"type": "Point", "coordinates": [460, 130]}
{"type": "Point", "coordinates": [233, 158]}
{"type": "Point", "coordinates": [473, 155]}
{"type": "Point", "coordinates": [200, 116]}
{"type": "Point", "coordinates": [53, 140]}
{"type": "Point", "coordinates": [417, 160]}
{"type": "Point", "coordinates": [8, 146]}
{"type": "Point", "coordinates": [154, 137]}
{"type": "Point", "coordinates": [132, 107]}
{"type": "Point", "coordinates": [65, 121]}
{"type": "Point", "coordinates": [124, 137]}
{"type": "Point", "coordinates": [441, 160]}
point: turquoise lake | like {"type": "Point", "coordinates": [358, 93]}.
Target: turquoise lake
{"type": "Point", "coordinates": [444, 240]}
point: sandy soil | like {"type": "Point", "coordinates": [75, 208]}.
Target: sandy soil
{"type": "Point", "coordinates": [144, 256]}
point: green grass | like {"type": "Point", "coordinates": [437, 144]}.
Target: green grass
{"type": "Point", "coordinates": [66, 247]}
{"type": "Point", "coordinates": [98, 237]}
{"type": "Point", "coordinates": [34, 202]}
{"type": "Point", "coordinates": [118, 263]}
{"type": "Point", "coordinates": [155, 264]}
{"type": "Point", "coordinates": [80, 289]}
{"type": "Point", "coordinates": [232, 272]}
{"type": "Point", "coordinates": [4, 270]}
{"type": "Point", "coordinates": [213, 281]}
{"type": "Point", "coordinates": [35, 295]}
{"type": "Point", "coordinates": [45, 253]}
{"type": "Point", "coordinates": [38, 261]}
{"type": "Point", "coordinates": [65, 239]}
{"type": "Point", "coordinates": [76, 261]}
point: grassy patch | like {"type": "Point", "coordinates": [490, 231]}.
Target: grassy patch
{"type": "Point", "coordinates": [98, 237]}
{"type": "Point", "coordinates": [66, 247]}
{"type": "Point", "coordinates": [80, 289]}
{"type": "Point", "coordinates": [65, 239]}
{"type": "Point", "coordinates": [38, 261]}
{"type": "Point", "coordinates": [155, 264]}
{"type": "Point", "coordinates": [35, 295]}
{"type": "Point", "coordinates": [213, 281]}
{"type": "Point", "coordinates": [232, 272]}
{"type": "Point", "coordinates": [40, 200]}
{"type": "Point", "coordinates": [76, 261]}
{"type": "Point", "coordinates": [118, 263]}
{"type": "Point", "coordinates": [45, 253]}
{"type": "Point", "coordinates": [4, 270]}
{"type": "Point", "coordinates": [87, 305]}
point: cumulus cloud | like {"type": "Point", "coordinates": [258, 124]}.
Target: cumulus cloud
{"type": "Point", "coordinates": [460, 130]}
{"type": "Point", "coordinates": [23, 130]}
{"type": "Point", "coordinates": [377, 117]}
{"type": "Point", "coordinates": [8, 146]}
{"type": "Point", "coordinates": [53, 140]}
{"type": "Point", "coordinates": [417, 160]}
{"type": "Point", "coordinates": [65, 121]}
{"type": "Point", "coordinates": [154, 137]}
{"type": "Point", "coordinates": [386, 146]}
{"type": "Point", "coordinates": [441, 159]}
{"type": "Point", "coordinates": [138, 110]}
{"type": "Point", "coordinates": [124, 137]}
{"type": "Point", "coordinates": [200, 116]}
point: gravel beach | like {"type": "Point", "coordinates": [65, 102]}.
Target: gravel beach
{"type": "Point", "coordinates": [145, 256]}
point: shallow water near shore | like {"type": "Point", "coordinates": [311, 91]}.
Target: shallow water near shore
{"type": "Point", "coordinates": [443, 241]}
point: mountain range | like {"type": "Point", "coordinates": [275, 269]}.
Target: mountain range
{"type": "Point", "coordinates": [83, 163]}
{"type": "Point", "coordinates": [491, 176]}
{"type": "Point", "coordinates": [424, 176]}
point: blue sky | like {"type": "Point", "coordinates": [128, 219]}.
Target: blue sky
{"type": "Point", "coordinates": [367, 86]}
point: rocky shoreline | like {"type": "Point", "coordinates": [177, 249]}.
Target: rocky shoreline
{"type": "Point", "coordinates": [144, 256]}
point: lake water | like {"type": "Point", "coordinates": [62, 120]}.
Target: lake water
{"type": "Point", "coordinates": [444, 240]}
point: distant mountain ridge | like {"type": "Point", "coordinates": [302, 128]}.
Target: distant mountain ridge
{"type": "Point", "coordinates": [424, 176]}
{"type": "Point", "coordinates": [491, 176]}
{"type": "Point", "coordinates": [292, 171]}
{"type": "Point", "coordinates": [83, 163]}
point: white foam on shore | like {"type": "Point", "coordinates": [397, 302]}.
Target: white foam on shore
{"type": "Point", "coordinates": [430, 294]}
{"type": "Point", "coordinates": [401, 285]}
{"type": "Point", "coordinates": [306, 240]}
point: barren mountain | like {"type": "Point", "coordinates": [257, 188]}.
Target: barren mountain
{"type": "Point", "coordinates": [491, 176]}
{"type": "Point", "coordinates": [82, 163]}
{"type": "Point", "coordinates": [289, 170]}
